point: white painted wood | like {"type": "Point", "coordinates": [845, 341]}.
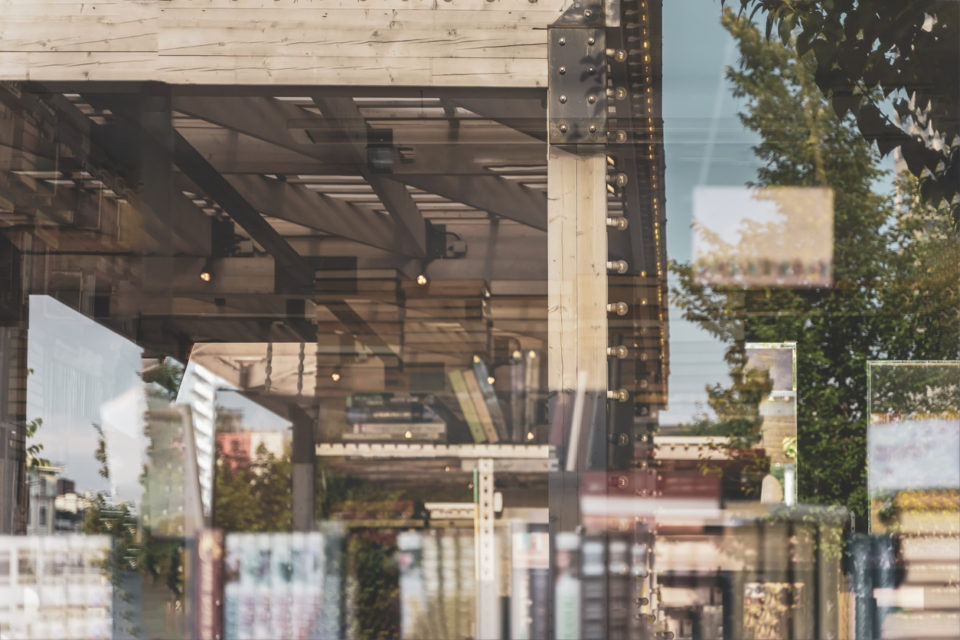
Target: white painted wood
{"type": "Point", "coordinates": [321, 42]}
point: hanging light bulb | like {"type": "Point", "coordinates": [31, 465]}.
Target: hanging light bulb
{"type": "Point", "coordinates": [421, 279]}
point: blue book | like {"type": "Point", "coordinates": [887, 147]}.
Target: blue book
{"type": "Point", "coordinates": [490, 397]}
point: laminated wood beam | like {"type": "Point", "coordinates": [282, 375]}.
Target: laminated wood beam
{"type": "Point", "coordinates": [491, 193]}
{"type": "Point", "coordinates": [346, 117]}
{"type": "Point", "coordinates": [295, 203]}
{"type": "Point", "coordinates": [460, 43]}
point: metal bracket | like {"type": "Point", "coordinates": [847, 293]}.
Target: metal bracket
{"type": "Point", "coordinates": [576, 94]}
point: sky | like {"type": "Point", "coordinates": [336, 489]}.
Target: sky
{"type": "Point", "coordinates": [705, 145]}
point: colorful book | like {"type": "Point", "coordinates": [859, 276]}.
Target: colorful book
{"type": "Point", "coordinates": [467, 406]}
{"type": "Point", "coordinates": [518, 427]}
{"type": "Point", "coordinates": [483, 412]}
{"type": "Point", "coordinates": [482, 375]}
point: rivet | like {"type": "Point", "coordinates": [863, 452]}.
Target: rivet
{"type": "Point", "coordinates": [563, 128]}
{"type": "Point", "coordinates": [593, 128]}
{"type": "Point", "coordinates": [562, 70]}
{"type": "Point", "coordinates": [621, 93]}
{"type": "Point", "coordinates": [563, 99]}
{"type": "Point", "coordinates": [562, 41]}
{"type": "Point", "coordinates": [591, 70]}
{"type": "Point", "coordinates": [587, 13]}
{"type": "Point", "coordinates": [591, 99]}
{"type": "Point", "coordinates": [591, 40]}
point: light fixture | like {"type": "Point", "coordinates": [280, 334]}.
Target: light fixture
{"type": "Point", "coordinates": [491, 379]}
{"type": "Point", "coordinates": [206, 273]}
{"type": "Point", "coordinates": [421, 279]}
{"type": "Point", "coordinates": [530, 435]}
{"type": "Point", "coordinates": [335, 376]}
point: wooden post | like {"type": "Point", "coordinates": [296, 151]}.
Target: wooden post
{"type": "Point", "coordinates": [576, 303]}
{"type": "Point", "coordinates": [577, 271]}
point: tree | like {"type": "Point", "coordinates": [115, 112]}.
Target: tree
{"type": "Point", "coordinates": [873, 59]}
{"type": "Point", "coordinates": [894, 267]}
{"type": "Point", "coordinates": [254, 494]}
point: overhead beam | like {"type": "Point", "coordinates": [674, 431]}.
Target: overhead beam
{"type": "Point", "coordinates": [420, 43]}
{"type": "Point", "coordinates": [233, 152]}
{"type": "Point", "coordinates": [295, 203]}
{"type": "Point", "coordinates": [201, 172]}
{"type": "Point", "coordinates": [526, 115]}
{"type": "Point", "coordinates": [266, 119]}
{"type": "Point", "coordinates": [491, 193]}
{"type": "Point", "coordinates": [345, 116]}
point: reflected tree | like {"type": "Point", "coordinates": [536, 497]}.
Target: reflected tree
{"type": "Point", "coordinates": [895, 274]}
{"type": "Point", "coordinates": [894, 67]}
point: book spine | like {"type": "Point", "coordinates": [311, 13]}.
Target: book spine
{"type": "Point", "coordinates": [263, 618]}
{"type": "Point", "coordinates": [400, 427]}
{"type": "Point", "coordinates": [280, 592]}
{"type": "Point", "coordinates": [567, 588]}
{"type": "Point", "coordinates": [593, 588]}
{"type": "Point", "coordinates": [482, 375]}
{"type": "Point", "coordinates": [538, 567]}
{"type": "Point", "coordinates": [517, 394]}
{"type": "Point", "coordinates": [467, 406]}
{"type": "Point", "coordinates": [390, 414]}
{"type": "Point", "coordinates": [467, 593]}
{"type": "Point", "coordinates": [390, 437]}
{"type": "Point", "coordinates": [412, 587]}
{"type": "Point", "coordinates": [231, 588]}
{"type": "Point", "coordinates": [481, 406]}
{"type": "Point", "coordinates": [519, 582]}
{"type": "Point", "coordinates": [531, 372]}
{"type": "Point", "coordinates": [619, 589]}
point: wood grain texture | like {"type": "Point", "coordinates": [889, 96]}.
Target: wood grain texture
{"type": "Point", "coordinates": [428, 43]}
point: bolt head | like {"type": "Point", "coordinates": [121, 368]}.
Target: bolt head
{"type": "Point", "coordinates": [593, 128]}
{"type": "Point", "coordinates": [562, 70]}
{"type": "Point", "coordinates": [563, 99]}
{"type": "Point", "coordinates": [563, 128]}
{"type": "Point", "coordinates": [562, 41]}
{"type": "Point", "coordinates": [591, 99]}
{"type": "Point", "coordinates": [591, 40]}
{"type": "Point", "coordinates": [587, 13]}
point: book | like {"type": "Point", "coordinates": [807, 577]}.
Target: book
{"type": "Point", "coordinates": [567, 587]}
{"type": "Point", "coordinates": [519, 582]}
{"type": "Point", "coordinates": [518, 427]}
{"type": "Point", "coordinates": [480, 405]}
{"type": "Point", "coordinates": [392, 412]}
{"type": "Point", "coordinates": [467, 406]}
{"type": "Point", "coordinates": [482, 375]}
{"type": "Point", "coordinates": [593, 568]}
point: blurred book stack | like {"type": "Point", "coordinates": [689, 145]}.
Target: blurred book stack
{"type": "Point", "coordinates": [437, 584]}
{"type": "Point", "coordinates": [388, 417]}
{"type": "Point", "coordinates": [278, 585]}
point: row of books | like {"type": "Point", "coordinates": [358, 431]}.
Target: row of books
{"type": "Point", "coordinates": [386, 417]}
{"type": "Point", "coordinates": [283, 585]}
{"type": "Point", "coordinates": [598, 589]}
{"type": "Point", "coordinates": [390, 417]}
{"type": "Point", "coordinates": [437, 584]}
{"type": "Point", "coordinates": [487, 420]}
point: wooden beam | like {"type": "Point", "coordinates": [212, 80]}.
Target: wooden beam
{"type": "Point", "coordinates": [201, 172]}
{"type": "Point", "coordinates": [233, 152]}
{"type": "Point", "coordinates": [526, 115]}
{"type": "Point", "coordinates": [577, 281]}
{"type": "Point", "coordinates": [491, 193]}
{"type": "Point", "coordinates": [295, 203]}
{"type": "Point", "coordinates": [345, 116]}
{"type": "Point", "coordinates": [421, 43]}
